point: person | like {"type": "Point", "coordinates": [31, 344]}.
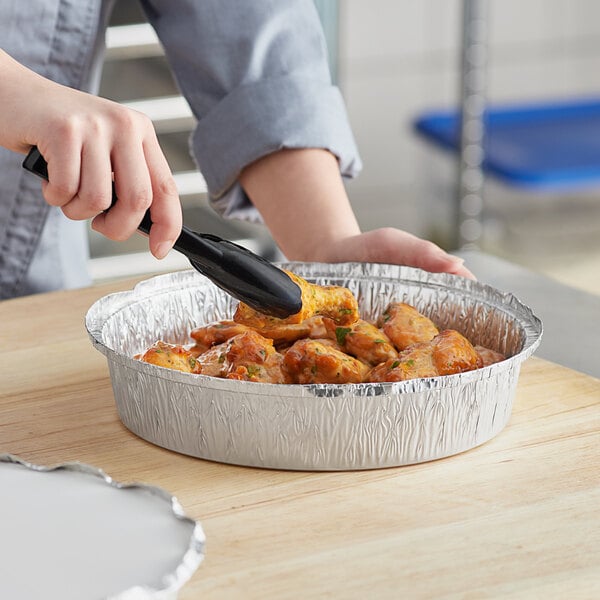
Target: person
{"type": "Point", "coordinates": [272, 138]}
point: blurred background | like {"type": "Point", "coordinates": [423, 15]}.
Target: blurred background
{"type": "Point", "coordinates": [394, 60]}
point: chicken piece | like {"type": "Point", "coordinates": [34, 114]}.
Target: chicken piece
{"type": "Point", "coordinates": [214, 362]}
{"type": "Point", "coordinates": [196, 350]}
{"type": "Point", "coordinates": [312, 361]}
{"type": "Point", "coordinates": [170, 356]}
{"type": "Point", "coordinates": [448, 353]}
{"type": "Point", "coordinates": [213, 334]}
{"type": "Point", "coordinates": [405, 325]}
{"type": "Point", "coordinates": [410, 364]}
{"type": "Point", "coordinates": [488, 356]}
{"type": "Point", "coordinates": [337, 303]}
{"type": "Point", "coordinates": [247, 356]}
{"type": "Point", "coordinates": [330, 344]}
{"type": "Point", "coordinates": [288, 333]}
{"type": "Point", "coordinates": [454, 353]}
{"type": "Point", "coordinates": [362, 340]}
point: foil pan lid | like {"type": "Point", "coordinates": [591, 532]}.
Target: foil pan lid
{"type": "Point", "coordinates": [70, 532]}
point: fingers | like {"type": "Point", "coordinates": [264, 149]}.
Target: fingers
{"type": "Point", "coordinates": [95, 190]}
{"type": "Point", "coordinates": [143, 180]}
{"type": "Point", "coordinates": [430, 257]}
{"type": "Point", "coordinates": [165, 209]}
{"type": "Point", "coordinates": [456, 267]}
{"type": "Point", "coordinates": [105, 141]}
{"type": "Point", "coordinates": [133, 190]}
{"type": "Point", "coordinates": [393, 246]}
{"type": "Point", "coordinates": [64, 166]}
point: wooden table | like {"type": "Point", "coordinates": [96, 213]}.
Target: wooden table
{"type": "Point", "coordinates": [518, 517]}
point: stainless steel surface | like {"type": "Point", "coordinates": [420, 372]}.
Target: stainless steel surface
{"type": "Point", "coordinates": [71, 532]}
{"type": "Point", "coordinates": [314, 427]}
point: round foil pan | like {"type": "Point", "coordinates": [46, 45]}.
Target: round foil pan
{"type": "Point", "coordinates": [70, 532]}
{"type": "Point", "coordinates": [314, 426]}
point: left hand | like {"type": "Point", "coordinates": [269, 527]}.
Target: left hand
{"type": "Point", "coordinates": [394, 246]}
{"type": "Point", "coordinates": [302, 199]}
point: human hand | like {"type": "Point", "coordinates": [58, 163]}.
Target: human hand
{"type": "Point", "coordinates": [318, 223]}
{"type": "Point", "coordinates": [86, 141]}
{"type": "Point", "coordinates": [393, 246]}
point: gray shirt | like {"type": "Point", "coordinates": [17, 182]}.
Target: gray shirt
{"type": "Point", "coordinates": [255, 75]}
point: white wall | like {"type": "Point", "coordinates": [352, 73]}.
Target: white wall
{"type": "Point", "coordinates": [400, 57]}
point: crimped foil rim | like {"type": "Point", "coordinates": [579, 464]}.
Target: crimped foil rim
{"type": "Point", "coordinates": [191, 559]}
{"type": "Point", "coordinates": [98, 316]}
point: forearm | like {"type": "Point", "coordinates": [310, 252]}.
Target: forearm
{"type": "Point", "coordinates": [301, 197]}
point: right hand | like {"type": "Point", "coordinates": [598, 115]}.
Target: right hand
{"type": "Point", "coordinates": [85, 140]}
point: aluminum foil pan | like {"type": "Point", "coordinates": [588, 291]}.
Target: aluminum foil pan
{"type": "Point", "coordinates": [315, 426]}
{"type": "Point", "coordinates": [70, 532]}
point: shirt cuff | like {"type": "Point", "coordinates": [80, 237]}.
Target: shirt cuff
{"type": "Point", "coordinates": [258, 119]}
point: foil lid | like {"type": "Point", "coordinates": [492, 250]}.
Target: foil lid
{"type": "Point", "coordinates": [69, 531]}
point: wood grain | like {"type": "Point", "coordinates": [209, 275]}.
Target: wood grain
{"type": "Point", "coordinates": [515, 518]}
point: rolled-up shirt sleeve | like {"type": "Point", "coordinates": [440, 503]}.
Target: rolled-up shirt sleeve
{"type": "Point", "coordinates": [256, 76]}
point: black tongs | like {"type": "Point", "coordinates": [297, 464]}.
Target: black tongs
{"type": "Point", "coordinates": [235, 269]}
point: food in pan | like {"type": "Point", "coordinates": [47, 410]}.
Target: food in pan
{"type": "Point", "coordinates": [363, 340]}
{"type": "Point", "coordinates": [284, 333]}
{"type": "Point", "coordinates": [247, 356]}
{"type": "Point", "coordinates": [447, 353]}
{"type": "Point", "coordinates": [170, 356]}
{"type": "Point", "coordinates": [326, 342]}
{"type": "Point", "coordinates": [404, 325]}
{"type": "Point", "coordinates": [332, 301]}
{"type": "Point", "coordinates": [318, 361]}
{"type": "Point", "coordinates": [488, 356]}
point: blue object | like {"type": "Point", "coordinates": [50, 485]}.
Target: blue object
{"type": "Point", "coordinates": [545, 147]}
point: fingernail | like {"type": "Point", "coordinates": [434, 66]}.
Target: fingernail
{"type": "Point", "coordinates": [163, 249]}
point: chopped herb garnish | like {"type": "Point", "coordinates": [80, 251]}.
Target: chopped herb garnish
{"type": "Point", "coordinates": [410, 362]}
{"type": "Point", "coordinates": [253, 370]}
{"type": "Point", "coordinates": [395, 364]}
{"type": "Point", "coordinates": [341, 333]}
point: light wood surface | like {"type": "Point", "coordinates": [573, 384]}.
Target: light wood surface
{"type": "Point", "coordinates": [518, 517]}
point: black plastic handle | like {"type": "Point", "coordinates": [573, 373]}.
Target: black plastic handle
{"type": "Point", "coordinates": [235, 269]}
